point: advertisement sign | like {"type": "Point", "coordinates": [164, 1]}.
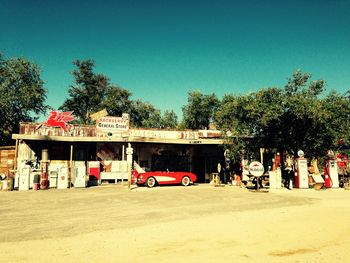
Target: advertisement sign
{"type": "Point", "coordinates": [256, 169]}
{"type": "Point", "coordinates": [58, 119]}
{"type": "Point", "coordinates": [111, 124]}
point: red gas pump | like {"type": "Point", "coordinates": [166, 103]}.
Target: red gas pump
{"type": "Point", "coordinates": [94, 172]}
{"type": "Point", "coordinates": [301, 179]}
{"type": "Point", "coordinates": [276, 162]}
{"type": "Point", "coordinates": [342, 163]}
{"type": "Point", "coordinates": [44, 177]}
{"type": "Point", "coordinates": [331, 178]}
{"type": "Point", "coordinates": [327, 178]}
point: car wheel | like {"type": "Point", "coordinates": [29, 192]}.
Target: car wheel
{"type": "Point", "coordinates": [185, 181]}
{"type": "Point", "coordinates": [151, 181]}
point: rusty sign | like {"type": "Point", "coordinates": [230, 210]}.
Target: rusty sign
{"type": "Point", "coordinates": [59, 119]}
{"type": "Point", "coordinates": [97, 115]}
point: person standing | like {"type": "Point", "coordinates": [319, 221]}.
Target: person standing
{"type": "Point", "coordinates": [288, 171]}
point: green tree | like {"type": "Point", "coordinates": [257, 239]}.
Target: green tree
{"type": "Point", "coordinates": [302, 124]}
{"type": "Point", "coordinates": [92, 92]}
{"type": "Point", "coordinates": [87, 93]}
{"type": "Point", "coordinates": [143, 114]}
{"type": "Point", "coordinates": [169, 120]}
{"type": "Point", "coordinates": [200, 110]}
{"type": "Point", "coordinates": [249, 120]}
{"type": "Point", "coordinates": [22, 95]}
{"type": "Point", "coordinates": [337, 119]}
{"type": "Point", "coordinates": [117, 101]}
{"type": "Point", "coordinates": [295, 117]}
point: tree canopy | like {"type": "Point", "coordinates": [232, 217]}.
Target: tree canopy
{"type": "Point", "coordinates": [87, 93]}
{"type": "Point", "coordinates": [169, 119]}
{"type": "Point", "coordinates": [92, 92]}
{"type": "Point", "coordinates": [297, 116]}
{"type": "Point", "coordinates": [200, 110]}
{"type": "Point", "coordinates": [22, 95]}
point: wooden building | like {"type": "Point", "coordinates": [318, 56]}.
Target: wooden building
{"type": "Point", "coordinates": [198, 151]}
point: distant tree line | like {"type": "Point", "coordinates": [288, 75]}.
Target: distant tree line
{"type": "Point", "coordinates": [299, 115]}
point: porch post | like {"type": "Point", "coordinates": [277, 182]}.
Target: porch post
{"type": "Point", "coordinates": [70, 165]}
{"type": "Point", "coordinates": [129, 152]}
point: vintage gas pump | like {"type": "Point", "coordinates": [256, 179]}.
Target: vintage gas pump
{"type": "Point", "coordinates": [44, 178]}
{"type": "Point", "coordinates": [301, 178]}
{"type": "Point", "coordinates": [331, 179]}
{"type": "Point", "coordinates": [342, 163]}
{"type": "Point", "coordinates": [275, 176]}
{"type": "Point", "coordinates": [276, 162]}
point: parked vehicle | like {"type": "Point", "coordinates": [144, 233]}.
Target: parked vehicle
{"type": "Point", "coordinates": [152, 179]}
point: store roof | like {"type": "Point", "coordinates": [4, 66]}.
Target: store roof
{"type": "Point", "coordinates": [89, 133]}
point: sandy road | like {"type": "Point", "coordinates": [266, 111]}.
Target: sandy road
{"type": "Point", "coordinates": [168, 224]}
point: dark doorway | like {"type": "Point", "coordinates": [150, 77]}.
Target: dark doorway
{"type": "Point", "coordinates": [169, 161]}
{"type": "Point", "coordinates": [198, 164]}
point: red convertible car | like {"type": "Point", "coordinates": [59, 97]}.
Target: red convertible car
{"type": "Point", "coordinates": [151, 179]}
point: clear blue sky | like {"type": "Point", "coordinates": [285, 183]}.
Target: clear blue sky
{"type": "Point", "coordinates": [160, 50]}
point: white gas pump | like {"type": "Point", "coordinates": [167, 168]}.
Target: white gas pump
{"type": "Point", "coordinates": [58, 174]}
{"type": "Point", "coordinates": [301, 178]}
{"type": "Point", "coordinates": [79, 174]}
{"type": "Point", "coordinates": [24, 177]}
{"type": "Point", "coordinates": [275, 176]}
{"type": "Point", "coordinates": [275, 179]}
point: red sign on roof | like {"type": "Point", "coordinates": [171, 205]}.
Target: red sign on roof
{"type": "Point", "coordinates": [59, 119]}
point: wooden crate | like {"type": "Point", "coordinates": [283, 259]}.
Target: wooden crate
{"type": "Point", "coordinates": [7, 153]}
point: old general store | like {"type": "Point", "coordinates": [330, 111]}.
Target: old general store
{"type": "Point", "coordinates": [104, 151]}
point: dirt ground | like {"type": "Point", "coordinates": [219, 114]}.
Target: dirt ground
{"type": "Point", "coordinates": [168, 224]}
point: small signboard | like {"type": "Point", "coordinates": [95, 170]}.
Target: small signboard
{"type": "Point", "coordinates": [111, 124]}
{"type": "Point", "coordinates": [256, 169]}
{"type": "Point", "coordinates": [97, 115]}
